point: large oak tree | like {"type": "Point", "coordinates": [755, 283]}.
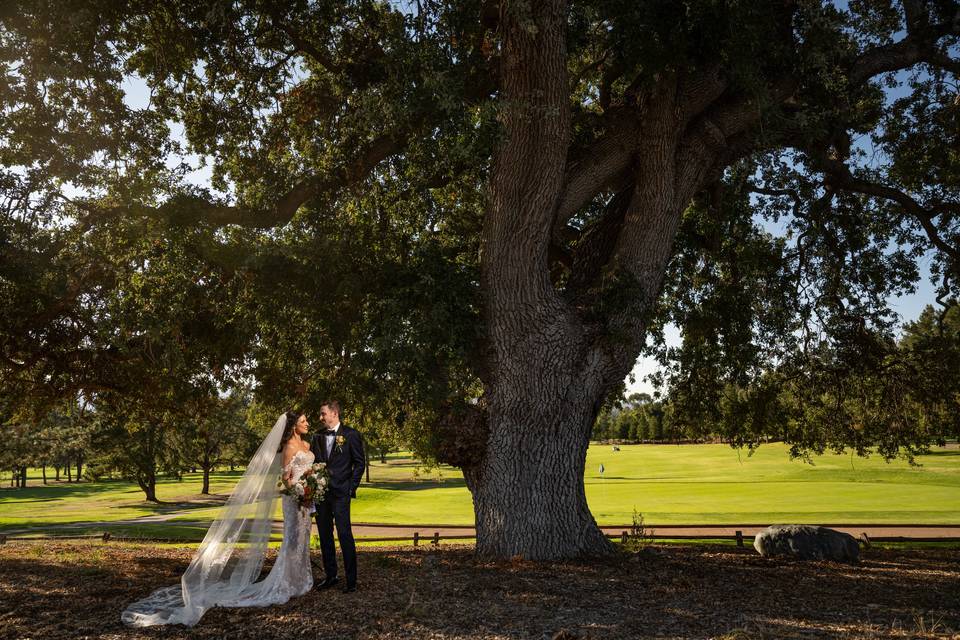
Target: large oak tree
{"type": "Point", "coordinates": [535, 158]}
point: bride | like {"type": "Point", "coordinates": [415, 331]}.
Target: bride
{"type": "Point", "coordinates": [224, 570]}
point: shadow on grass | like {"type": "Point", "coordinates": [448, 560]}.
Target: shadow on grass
{"type": "Point", "coordinates": [82, 490]}
{"type": "Point", "coordinates": [943, 453]}
{"type": "Point", "coordinates": [418, 485]}
{"type": "Point", "coordinates": [134, 530]}
{"type": "Point", "coordinates": [46, 493]}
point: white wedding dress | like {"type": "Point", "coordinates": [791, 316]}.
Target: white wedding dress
{"type": "Point", "coordinates": [291, 575]}
{"type": "Point", "coordinates": [225, 568]}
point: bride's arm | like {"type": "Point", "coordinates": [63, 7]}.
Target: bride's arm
{"type": "Point", "coordinates": [288, 452]}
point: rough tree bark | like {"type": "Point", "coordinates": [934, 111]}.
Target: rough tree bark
{"type": "Point", "coordinates": [528, 490]}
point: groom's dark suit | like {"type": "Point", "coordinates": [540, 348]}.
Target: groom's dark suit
{"type": "Point", "coordinates": [345, 463]}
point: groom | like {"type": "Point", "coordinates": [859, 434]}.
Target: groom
{"type": "Point", "coordinates": [341, 448]}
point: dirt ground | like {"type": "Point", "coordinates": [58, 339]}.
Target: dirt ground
{"type": "Point", "coordinates": [52, 590]}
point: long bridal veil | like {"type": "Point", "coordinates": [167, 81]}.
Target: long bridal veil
{"type": "Point", "coordinates": [231, 555]}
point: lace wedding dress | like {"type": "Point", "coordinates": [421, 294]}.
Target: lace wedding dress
{"type": "Point", "coordinates": [291, 575]}
{"type": "Point", "coordinates": [225, 568]}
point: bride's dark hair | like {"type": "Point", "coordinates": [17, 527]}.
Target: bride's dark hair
{"type": "Point", "coordinates": [292, 418]}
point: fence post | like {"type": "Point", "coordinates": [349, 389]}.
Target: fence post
{"type": "Point", "coordinates": [3, 539]}
{"type": "Point", "coordinates": [623, 538]}
{"type": "Point", "coordinates": [416, 538]}
{"type": "Point", "coordinates": [739, 538]}
{"type": "Point", "coordinates": [436, 538]}
{"type": "Point", "coordinates": [106, 536]}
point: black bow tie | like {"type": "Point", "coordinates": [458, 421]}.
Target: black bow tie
{"type": "Point", "coordinates": [330, 432]}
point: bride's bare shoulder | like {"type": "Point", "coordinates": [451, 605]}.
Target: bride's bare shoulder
{"type": "Point", "coordinates": [289, 451]}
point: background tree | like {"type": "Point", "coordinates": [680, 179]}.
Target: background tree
{"type": "Point", "coordinates": [216, 433]}
{"type": "Point", "coordinates": [534, 162]}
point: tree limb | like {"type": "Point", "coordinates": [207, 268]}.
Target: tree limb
{"type": "Point", "coordinates": [842, 177]}
{"type": "Point", "coordinates": [301, 44]}
{"type": "Point", "coordinates": [192, 208]}
{"type": "Point", "coordinates": [600, 166]}
{"type": "Point", "coordinates": [594, 249]}
{"type": "Point", "coordinates": [918, 46]}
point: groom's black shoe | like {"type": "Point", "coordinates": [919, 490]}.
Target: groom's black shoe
{"type": "Point", "coordinates": [350, 588]}
{"type": "Point", "coordinates": [326, 583]}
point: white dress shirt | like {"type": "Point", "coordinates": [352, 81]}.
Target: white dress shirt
{"type": "Point", "coordinates": [329, 441]}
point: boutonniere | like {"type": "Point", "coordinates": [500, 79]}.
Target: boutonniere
{"type": "Point", "coordinates": [340, 440]}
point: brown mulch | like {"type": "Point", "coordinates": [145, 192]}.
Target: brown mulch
{"type": "Point", "coordinates": [77, 590]}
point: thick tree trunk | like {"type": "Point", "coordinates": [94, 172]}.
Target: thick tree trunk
{"type": "Point", "coordinates": [543, 383]}
{"type": "Point", "coordinates": [23, 476]}
{"type": "Point", "coordinates": [79, 466]}
{"type": "Point", "coordinates": [43, 470]}
{"type": "Point", "coordinates": [528, 494]}
{"type": "Point", "coordinates": [57, 469]}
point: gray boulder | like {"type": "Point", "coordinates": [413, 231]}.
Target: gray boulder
{"type": "Point", "coordinates": [807, 542]}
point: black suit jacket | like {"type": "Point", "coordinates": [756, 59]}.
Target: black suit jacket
{"type": "Point", "coordinates": [345, 463]}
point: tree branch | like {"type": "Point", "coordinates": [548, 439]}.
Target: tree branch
{"type": "Point", "coordinates": [602, 165]}
{"type": "Point", "coordinates": [918, 46]}
{"type": "Point", "coordinates": [595, 247]}
{"type": "Point", "coordinates": [301, 44]}
{"type": "Point", "coordinates": [191, 208]}
{"type": "Point", "coordinates": [841, 177]}
{"type": "Point", "coordinates": [699, 90]}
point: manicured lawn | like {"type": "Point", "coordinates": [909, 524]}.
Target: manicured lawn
{"type": "Point", "coordinates": [689, 484]}
{"type": "Point", "coordinates": [714, 484]}
{"type": "Point", "coordinates": [110, 500]}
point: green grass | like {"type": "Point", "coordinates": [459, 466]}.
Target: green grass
{"type": "Point", "coordinates": [709, 484]}
{"type": "Point", "coordinates": [109, 500]}
{"type": "Point", "coordinates": [689, 484]}
{"type": "Point", "coordinates": [714, 484]}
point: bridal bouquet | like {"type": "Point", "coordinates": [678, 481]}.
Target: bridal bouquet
{"type": "Point", "coordinates": [311, 486]}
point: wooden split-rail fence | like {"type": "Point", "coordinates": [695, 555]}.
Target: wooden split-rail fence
{"type": "Point", "coordinates": [435, 539]}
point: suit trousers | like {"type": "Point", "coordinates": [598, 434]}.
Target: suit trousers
{"type": "Point", "coordinates": [335, 509]}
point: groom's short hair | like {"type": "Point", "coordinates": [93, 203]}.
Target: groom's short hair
{"type": "Point", "coordinates": [331, 404]}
